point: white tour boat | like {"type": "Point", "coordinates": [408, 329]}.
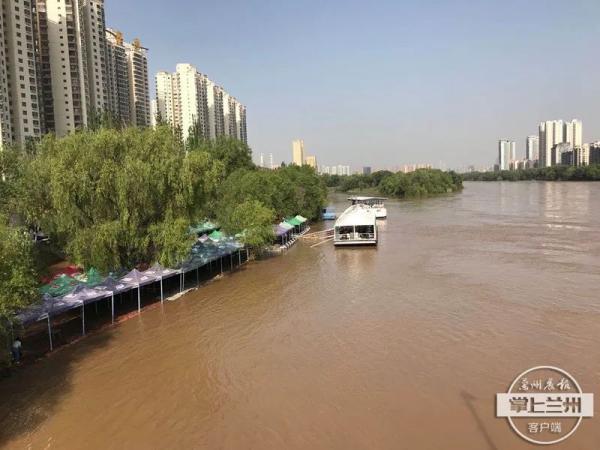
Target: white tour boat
{"type": "Point", "coordinates": [356, 226]}
{"type": "Point", "coordinates": [376, 203]}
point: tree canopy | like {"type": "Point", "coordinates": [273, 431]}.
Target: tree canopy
{"type": "Point", "coordinates": [283, 192]}
{"type": "Point", "coordinates": [18, 288]}
{"type": "Point", "coordinates": [554, 173]}
{"type": "Point", "coordinates": [12, 167]}
{"type": "Point", "coordinates": [419, 183]}
{"type": "Point", "coordinates": [112, 198]}
{"type": "Point", "coordinates": [103, 193]}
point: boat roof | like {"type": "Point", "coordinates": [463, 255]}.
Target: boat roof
{"type": "Point", "coordinates": [360, 198]}
{"type": "Point", "coordinates": [356, 215]}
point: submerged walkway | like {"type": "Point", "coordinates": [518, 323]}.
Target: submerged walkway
{"type": "Point", "coordinates": [64, 320]}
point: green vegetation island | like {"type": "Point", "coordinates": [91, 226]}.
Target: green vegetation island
{"type": "Point", "coordinates": [114, 199]}
{"type": "Point", "coordinates": [553, 173]}
{"type": "Point", "coordinates": [417, 184]}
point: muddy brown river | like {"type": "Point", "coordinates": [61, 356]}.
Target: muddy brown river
{"type": "Point", "coordinates": [403, 346]}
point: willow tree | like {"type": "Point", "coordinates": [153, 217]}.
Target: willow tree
{"type": "Point", "coordinates": [287, 191]}
{"type": "Point", "coordinates": [232, 153]}
{"type": "Point", "coordinates": [12, 164]}
{"type": "Point", "coordinates": [18, 285]}
{"type": "Point", "coordinates": [115, 198]}
{"type": "Point", "coordinates": [253, 220]}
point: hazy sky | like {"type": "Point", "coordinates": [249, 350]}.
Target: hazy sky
{"type": "Point", "coordinates": [384, 83]}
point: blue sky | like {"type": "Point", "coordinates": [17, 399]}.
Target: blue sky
{"type": "Point", "coordinates": [387, 82]}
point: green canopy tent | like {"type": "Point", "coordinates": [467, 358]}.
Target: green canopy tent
{"type": "Point", "coordinates": [215, 236]}
{"type": "Point", "coordinates": [293, 221]}
{"type": "Point", "coordinates": [93, 278]}
{"type": "Point", "coordinates": [302, 221]}
{"type": "Point", "coordinates": [60, 286]}
{"type": "Point", "coordinates": [204, 227]}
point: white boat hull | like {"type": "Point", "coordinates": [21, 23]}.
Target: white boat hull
{"type": "Point", "coordinates": [380, 213]}
{"type": "Point", "coordinates": [360, 242]}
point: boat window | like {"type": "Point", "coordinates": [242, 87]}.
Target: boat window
{"type": "Point", "coordinates": [345, 230]}
{"type": "Point", "coordinates": [364, 229]}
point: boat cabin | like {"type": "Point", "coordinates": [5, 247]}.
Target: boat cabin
{"type": "Point", "coordinates": [377, 203]}
{"type": "Point", "coordinates": [357, 225]}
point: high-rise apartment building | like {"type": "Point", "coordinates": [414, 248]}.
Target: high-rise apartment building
{"type": "Point", "coordinates": [573, 133]}
{"type": "Point", "coordinates": [554, 132]}
{"type": "Point", "coordinates": [153, 112]}
{"type": "Point", "coordinates": [188, 99]}
{"type": "Point", "coordinates": [551, 133]}
{"type": "Point", "coordinates": [335, 170]}
{"type": "Point", "coordinates": [139, 88]}
{"type": "Point", "coordinates": [64, 62]}
{"type": "Point", "coordinates": [127, 75]}
{"type": "Point", "coordinates": [92, 40]}
{"type": "Point", "coordinates": [117, 77]}
{"type": "Point", "coordinates": [165, 98]}
{"type": "Point", "coordinates": [344, 170]}
{"type": "Point", "coordinates": [311, 161]}
{"type": "Point", "coordinates": [298, 152]}
{"type": "Point", "coordinates": [582, 155]}
{"type": "Point", "coordinates": [532, 148]}
{"type": "Point", "coordinates": [506, 154]}
{"type": "Point", "coordinates": [20, 115]}
{"type": "Point", "coordinates": [242, 126]}
{"type": "Point", "coordinates": [594, 153]}
{"type": "Point", "coordinates": [59, 71]}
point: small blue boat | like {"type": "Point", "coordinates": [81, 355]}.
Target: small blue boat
{"type": "Point", "coordinates": [328, 213]}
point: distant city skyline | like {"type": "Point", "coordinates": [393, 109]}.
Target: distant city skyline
{"type": "Point", "coordinates": [392, 93]}
{"type": "Point", "coordinates": [558, 142]}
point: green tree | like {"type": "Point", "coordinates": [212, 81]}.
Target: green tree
{"type": "Point", "coordinates": [172, 241]}
{"type": "Point", "coordinates": [554, 173]}
{"type": "Point", "coordinates": [102, 193]}
{"type": "Point", "coordinates": [12, 168]}
{"type": "Point", "coordinates": [287, 191]}
{"type": "Point", "coordinates": [18, 288]}
{"type": "Point", "coordinates": [254, 220]}
{"type": "Point", "coordinates": [420, 183]}
{"type": "Point", "coordinates": [232, 153]}
{"type": "Point", "coordinates": [195, 136]}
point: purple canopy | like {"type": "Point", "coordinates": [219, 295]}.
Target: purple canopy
{"type": "Point", "coordinates": [37, 312]}
{"type": "Point", "coordinates": [80, 295]}
{"type": "Point", "coordinates": [137, 278]}
{"type": "Point", "coordinates": [279, 230]}
{"type": "Point", "coordinates": [159, 271]}
{"type": "Point", "coordinates": [110, 285]}
{"type": "Point", "coordinates": [52, 306]}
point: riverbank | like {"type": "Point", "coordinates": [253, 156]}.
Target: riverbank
{"type": "Point", "coordinates": [554, 173]}
{"type": "Point", "coordinates": [87, 301]}
{"type": "Point", "coordinates": [69, 318]}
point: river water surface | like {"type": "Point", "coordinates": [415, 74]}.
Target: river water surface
{"type": "Point", "coordinates": [403, 346]}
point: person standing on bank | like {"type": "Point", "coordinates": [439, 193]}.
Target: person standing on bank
{"type": "Point", "coordinates": [16, 350]}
